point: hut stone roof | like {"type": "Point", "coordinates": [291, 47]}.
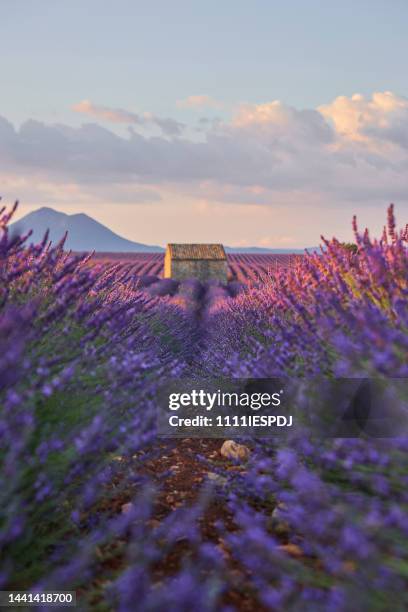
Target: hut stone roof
{"type": "Point", "coordinates": [197, 251]}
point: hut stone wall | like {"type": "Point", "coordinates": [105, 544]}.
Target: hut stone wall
{"type": "Point", "coordinates": [200, 265]}
{"type": "Point", "coordinates": [201, 269]}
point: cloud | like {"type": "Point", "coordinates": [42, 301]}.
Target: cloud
{"type": "Point", "coordinates": [168, 126]}
{"type": "Point", "coordinates": [276, 120]}
{"type": "Point", "coordinates": [383, 117]}
{"type": "Point", "coordinates": [199, 102]}
{"type": "Point", "coordinates": [113, 115]}
{"type": "Point", "coordinates": [42, 191]}
{"type": "Point", "coordinates": [354, 149]}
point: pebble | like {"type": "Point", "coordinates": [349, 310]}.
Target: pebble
{"type": "Point", "coordinates": [277, 511]}
{"type": "Point", "coordinates": [281, 527]}
{"type": "Point", "coordinates": [292, 549]}
{"type": "Point", "coordinates": [216, 478]}
{"type": "Point", "coordinates": [224, 549]}
{"type": "Point", "coordinates": [233, 450]}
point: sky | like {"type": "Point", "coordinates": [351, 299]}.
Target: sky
{"type": "Point", "coordinates": [262, 123]}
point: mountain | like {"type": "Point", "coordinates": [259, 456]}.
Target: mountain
{"type": "Point", "coordinates": [84, 233]}
{"type": "Point", "coordinates": [266, 251]}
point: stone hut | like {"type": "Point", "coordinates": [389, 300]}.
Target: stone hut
{"type": "Point", "coordinates": [201, 261]}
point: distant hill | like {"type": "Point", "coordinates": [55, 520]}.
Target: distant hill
{"type": "Point", "coordinates": [263, 250]}
{"type": "Point", "coordinates": [84, 233]}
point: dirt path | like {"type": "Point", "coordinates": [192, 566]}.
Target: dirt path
{"type": "Point", "coordinates": [181, 488]}
{"type": "Point", "coordinates": [180, 477]}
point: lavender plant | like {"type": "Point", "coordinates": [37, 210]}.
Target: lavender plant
{"type": "Point", "coordinates": [308, 524]}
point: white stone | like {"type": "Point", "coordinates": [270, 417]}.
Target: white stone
{"type": "Point", "coordinates": [233, 450]}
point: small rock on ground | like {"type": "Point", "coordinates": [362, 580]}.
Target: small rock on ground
{"type": "Point", "coordinates": [292, 549]}
{"type": "Point", "coordinates": [216, 478]}
{"type": "Point", "coordinates": [233, 450]}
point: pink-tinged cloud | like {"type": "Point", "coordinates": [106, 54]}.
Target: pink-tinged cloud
{"type": "Point", "coordinates": [168, 126]}
{"type": "Point", "coordinates": [368, 121]}
{"type": "Point", "coordinates": [261, 114]}
{"type": "Point", "coordinates": [199, 102]}
{"type": "Point", "coordinates": [113, 115]}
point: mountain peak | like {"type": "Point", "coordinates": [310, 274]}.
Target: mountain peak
{"type": "Point", "coordinates": [82, 216]}
{"type": "Point", "coordinates": [84, 232]}
{"type": "Point", "coordinates": [47, 210]}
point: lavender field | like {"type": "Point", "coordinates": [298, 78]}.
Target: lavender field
{"type": "Point", "coordinates": [92, 499]}
{"type": "Point", "coordinates": [245, 268]}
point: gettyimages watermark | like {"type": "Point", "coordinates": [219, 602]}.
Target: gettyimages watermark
{"type": "Point", "coordinates": [276, 407]}
{"type": "Point", "coordinates": [208, 400]}
{"type": "Point", "coordinates": [219, 400]}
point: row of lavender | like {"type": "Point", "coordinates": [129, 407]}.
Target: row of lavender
{"type": "Point", "coordinates": [343, 503]}
{"type": "Point", "coordinates": [83, 349]}
{"type": "Point", "coordinates": [82, 353]}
